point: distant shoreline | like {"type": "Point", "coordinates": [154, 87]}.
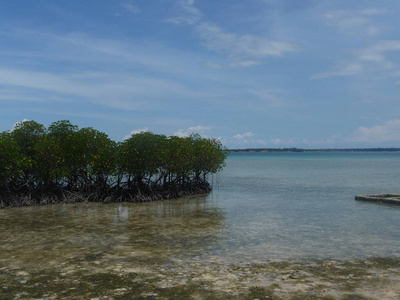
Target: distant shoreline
{"type": "Point", "coordinates": [250, 150]}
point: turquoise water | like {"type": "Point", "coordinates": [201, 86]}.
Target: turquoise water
{"type": "Point", "coordinates": [301, 205]}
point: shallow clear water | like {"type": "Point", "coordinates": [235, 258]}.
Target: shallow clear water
{"type": "Point", "coordinates": [265, 206]}
{"type": "Point", "coordinates": [301, 205]}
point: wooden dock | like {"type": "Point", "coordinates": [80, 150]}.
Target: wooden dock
{"type": "Point", "coordinates": [380, 198]}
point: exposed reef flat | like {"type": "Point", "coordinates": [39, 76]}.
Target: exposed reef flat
{"type": "Point", "coordinates": [141, 276]}
{"type": "Point", "coordinates": [380, 198]}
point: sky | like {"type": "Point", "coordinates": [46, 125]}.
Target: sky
{"type": "Point", "coordinates": [252, 73]}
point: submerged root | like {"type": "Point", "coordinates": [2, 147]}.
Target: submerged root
{"type": "Point", "coordinates": [68, 196]}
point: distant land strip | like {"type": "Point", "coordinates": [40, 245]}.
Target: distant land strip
{"type": "Point", "coordinates": [314, 150]}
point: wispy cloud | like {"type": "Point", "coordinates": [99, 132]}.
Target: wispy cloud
{"type": "Point", "coordinates": [188, 13]}
{"type": "Point", "coordinates": [123, 91]}
{"type": "Point", "coordinates": [269, 97]}
{"type": "Point", "coordinates": [244, 135]}
{"type": "Point", "coordinates": [131, 7]}
{"type": "Point", "coordinates": [387, 132]}
{"type": "Point", "coordinates": [243, 140]}
{"type": "Point", "coordinates": [359, 22]}
{"type": "Point", "coordinates": [86, 51]}
{"type": "Point", "coordinates": [199, 129]}
{"type": "Point", "coordinates": [349, 69]}
{"type": "Point", "coordinates": [194, 129]}
{"type": "Point", "coordinates": [39, 80]}
{"type": "Point", "coordinates": [93, 114]}
{"type": "Point", "coordinates": [330, 142]}
{"type": "Point", "coordinates": [283, 142]}
{"type": "Point", "coordinates": [377, 53]}
{"type": "Point", "coordinates": [243, 50]}
{"type": "Point", "coordinates": [371, 58]}
{"type": "Point", "coordinates": [11, 95]}
{"type": "Point", "coordinates": [374, 56]}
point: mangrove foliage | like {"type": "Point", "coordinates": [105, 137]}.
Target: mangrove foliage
{"type": "Point", "coordinates": [65, 163]}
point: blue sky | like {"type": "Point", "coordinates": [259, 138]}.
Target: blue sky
{"type": "Point", "coordinates": [253, 73]}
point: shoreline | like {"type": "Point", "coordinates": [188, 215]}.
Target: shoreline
{"type": "Point", "coordinates": [299, 150]}
{"type": "Point", "coordinates": [67, 197]}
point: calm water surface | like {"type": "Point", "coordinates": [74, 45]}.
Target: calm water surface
{"type": "Point", "coordinates": [265, 206]}
{"type": "Point", "coordinates": [302, 205]}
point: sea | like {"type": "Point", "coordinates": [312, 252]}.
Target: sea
{"type": "Point", "coordinates": [301, 205]}
{"type": "Point", "coordinates": [264, 207]}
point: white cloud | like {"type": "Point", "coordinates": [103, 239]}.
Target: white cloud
{"type": "Point", "coordinates": [245, 63]}
{"type": "Point", "coordinates": [106, 116]}
{"type": "Point", "coordinates": [269, 97]}
{"type": "Point", "coordinates": [214, 65]}
{"type": "Point", "coordinates": [194, 129]}
{"type": "Point", "coordinates": [17, 123]}
{"type": "Point", "coordinates": [83, 49]}
{"type": "Point", "coordinates": [136, 131]}
{"type": "Point", "coordinates": [243, 50]}
{"type": "Point", "coordinates": [244, 140]}
{"type": "Point", "coordinates": [355, 22]}
{"type": "Point", "coordinates": [36, 80]}
{"type": "Point", "coordinates": [145, 129]}
{"type": "Point", "coordinates": [106, 89]}
{"type": "Point", "coordinates": [199, 129]}
{"type": "Point", "coordinates": [181, 133]}
{"type": "Point", "coordinates": [188, 13]}
{"type": "Point", "coordinates": [131, 7]}
{"type": "Point", "coordinates": [388, 132]}
{"type": "Point", "coordinates": [13, 95]}
{"type": "Point", "coordinates": [350, 69]}
{"type": "Point", "coordinates": [279, 142]}
{"type": "Point", "coordinates": [372, 58]}
{"type": "Point", "coordinates": [376, 54]}
{"type": "Point", "coordinates": [244, 135]}
{"type": "Point", "coordinates": [96, 91]}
